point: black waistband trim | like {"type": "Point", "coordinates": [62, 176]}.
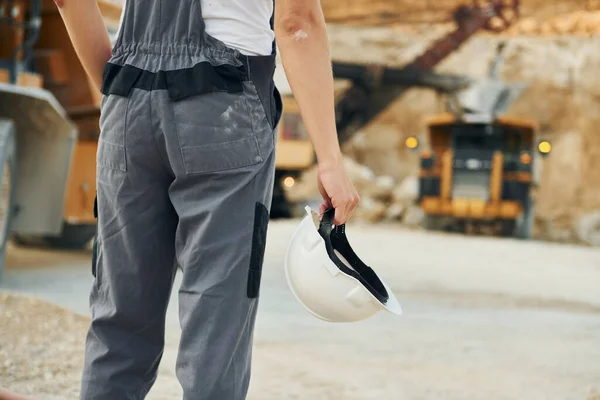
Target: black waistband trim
{"type": "Point", "coordinates": [201, 78]}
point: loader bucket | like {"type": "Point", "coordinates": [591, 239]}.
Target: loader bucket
{"type": "Point", "coordinates": [45, 141]}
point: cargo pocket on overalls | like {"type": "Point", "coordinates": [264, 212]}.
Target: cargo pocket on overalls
{"type": "Point", "coordinates": [215, 132]}
{"type": "Point", "coordinates": [259, 241]}
{"type": "Point", "coordinates": [111, 161]}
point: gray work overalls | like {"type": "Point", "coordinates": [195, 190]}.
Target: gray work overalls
{"type": "Point", "coordinates": [185, 170]}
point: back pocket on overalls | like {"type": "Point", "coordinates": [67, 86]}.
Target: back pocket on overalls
{"type": "Point", "coordinates": [215, 132]}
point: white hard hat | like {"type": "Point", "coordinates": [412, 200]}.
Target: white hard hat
{"type": "Point", "coordinates": [327, 277]}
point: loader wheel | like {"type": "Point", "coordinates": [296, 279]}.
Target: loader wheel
{"type": "Point", "coordinates": [8, 168]}
{"type": "Point", "coordinates": [72, 237]}
{"type": "Point", "coordinates": [507, 228]}
{"type": "Point", "coordinates": [280, 206]}
{"type": "Point", "coordinates": [432, 222]}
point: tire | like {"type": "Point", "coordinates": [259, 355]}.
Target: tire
{"type": "Point", "coordinates": [432, 222]}
{"type": "Point", "coordinates": [524, 224]}
{"type": "Point", "coordinates": [507, 228]}
{"type": "Point", "coordinates": [280, 206]}
{"type": "Point", "coordinates": [8, 174]}
{"type": "Point", "coordinates": [71, 237]}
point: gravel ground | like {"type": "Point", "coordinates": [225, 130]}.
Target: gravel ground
{"type": "Point", "coordinates": [41, 347]}
{"type": "Point", "coordinates": [483, 319]}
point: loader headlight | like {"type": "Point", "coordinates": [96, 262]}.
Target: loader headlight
{"type": "Point", "coordinates": [544, 147]}
{"type": "Point", "coordinates": [525, 158]}
{"type": "Point", "coordinates": [412, 142]}
{"type": "Point", "coordinates": [289, 182]}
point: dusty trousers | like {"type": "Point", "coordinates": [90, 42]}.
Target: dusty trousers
{"type": "Point", "coordinates": [187, 183]}
{"type": "Point", "coordinates": [185, 173]}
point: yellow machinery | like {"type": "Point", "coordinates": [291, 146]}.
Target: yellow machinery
{"type": "Point", "coordinates": [49, 128]}
{"type": "Point", "coordinates": [480, 171]}
{"type": "Point", "coordinates": [294, 155]}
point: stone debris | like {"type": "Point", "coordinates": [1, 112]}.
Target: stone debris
{"type": "Point", "coordinates": [407, 192]}
{"type": "Point", "coordinates": [41, 347]}
{"type": "Point", "coordinates": [381, 197]}
{"type": "Point", "coordinates": [395, 212]}
{"type": "Point", "coordinates": [578, 23]}
{"type": "Point", "coordinates": [588, 228]}
{"type": "Point", "coordinates": [413, 217]}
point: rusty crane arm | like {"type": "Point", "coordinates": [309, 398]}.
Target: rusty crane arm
{"type": "Point", "coordinates": [374, 87]}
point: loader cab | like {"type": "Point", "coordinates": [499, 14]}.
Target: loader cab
{"type": "Point", "coordinates": [480, 171]}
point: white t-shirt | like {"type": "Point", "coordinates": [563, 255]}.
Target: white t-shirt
{"type": "Point", "coordinates": [241, 24]}
{"type": "Point", "coordinates": [238, 25]}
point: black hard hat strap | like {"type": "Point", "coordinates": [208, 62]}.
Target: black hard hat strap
{"type": "Point", "coordinates": [335, 240]}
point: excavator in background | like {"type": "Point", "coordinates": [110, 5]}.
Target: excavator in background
{"type": "Point", "coordinates": [365, 91]}
{"type": "Point", "coordinates": [376, 87]}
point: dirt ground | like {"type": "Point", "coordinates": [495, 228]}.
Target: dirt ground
{"type": "Point", "coordinates": [483, 318]}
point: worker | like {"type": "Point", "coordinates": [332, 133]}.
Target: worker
{"type": "Point", "coordinates": [185, 173]}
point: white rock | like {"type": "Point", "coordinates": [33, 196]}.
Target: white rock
{"type": "Point", "coordinates": [379, 188]}
{"type": "Point", "coordinates": [588, 228]}
{"type": "Point", "coordinates": [394, 212]}
{"type": "Point", "coordinates": [385, 181]}
{"type": "Point", "coordinates": [413, 216]}
{"type": "Point", "coordinates": [407, 192]}
{"type": "Point", "coordinates": [371, 210]}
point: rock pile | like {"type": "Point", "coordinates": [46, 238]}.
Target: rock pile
{"type": "Point", "coordinates": [383, 198]}
{"type": "Point", "coordinates": [579, 23]}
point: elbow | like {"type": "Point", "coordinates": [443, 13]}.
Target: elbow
{"type": "Point", "coordinates": [296, 22]}
{"type": "Point", "coordinates": [292, 24]}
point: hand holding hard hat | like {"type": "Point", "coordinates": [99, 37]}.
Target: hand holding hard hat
{"type": "Point", "coordinates": [328, 278]}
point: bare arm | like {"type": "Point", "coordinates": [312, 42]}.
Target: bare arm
{"type": "Point", "coordinates": [301, 34]}
{"type": "Point", "coordinates": [88, 34]}
{"type": "Point", "coordinates": [6, 395]}
{"type": "Point", "coordinates": [302, 39]}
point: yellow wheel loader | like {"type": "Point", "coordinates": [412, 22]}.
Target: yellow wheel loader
{"type": "Point", "coordinates": [480, 172]}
